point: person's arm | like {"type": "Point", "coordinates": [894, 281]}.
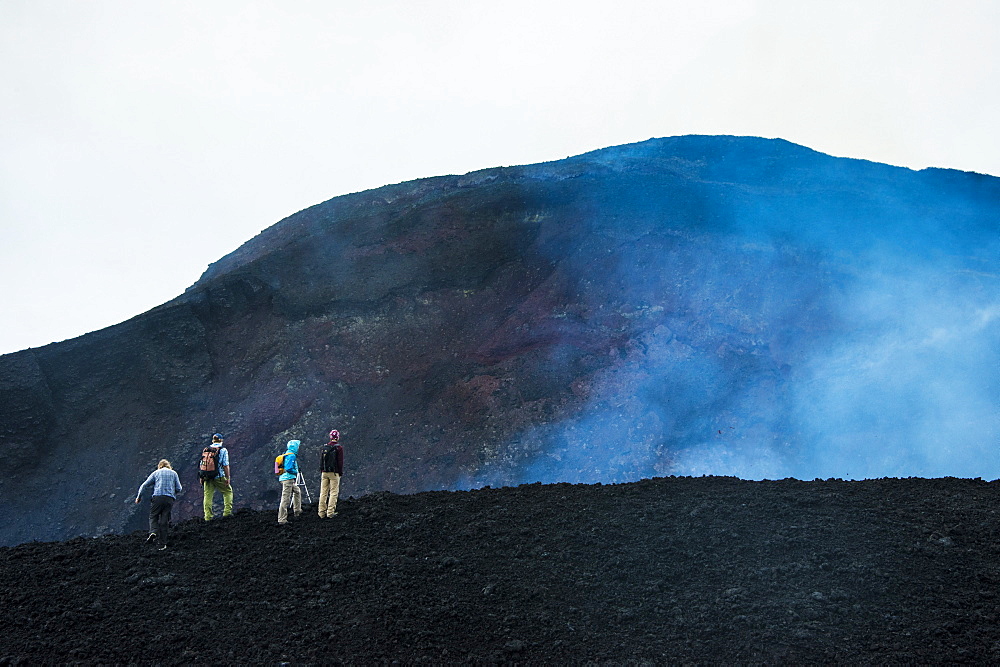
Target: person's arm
{"type": "Point", "coordinates": [142, 486]}
{"type": "Point", "coordinates": [177, 484]}
{"type": "Point", "coordinates": [225, 468]}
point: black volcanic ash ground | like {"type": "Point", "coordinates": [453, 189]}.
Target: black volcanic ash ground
{"type": "Point", "coordinates": [694, 570]}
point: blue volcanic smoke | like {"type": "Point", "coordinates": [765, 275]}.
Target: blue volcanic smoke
{"type": "Point", "coordinates": [839, 319]}
{"type": "Point", "coordinates": [911, 389]}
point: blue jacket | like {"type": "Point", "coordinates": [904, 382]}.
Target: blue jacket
{"type": "Point", "coordinates": [165, 483]}
{"type": "Point", "coordinates": [291, 461]}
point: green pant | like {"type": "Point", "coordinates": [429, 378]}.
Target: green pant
{"type": "Point", "coordinates": [223, 486]}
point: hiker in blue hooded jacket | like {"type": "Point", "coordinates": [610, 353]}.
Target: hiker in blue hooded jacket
{"type": "Point", "coordinates": [290, 492]}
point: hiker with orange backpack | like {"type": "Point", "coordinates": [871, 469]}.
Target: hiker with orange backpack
{"type": "Point", "coordinates": [286, 467]}
{"type": "Point", "coordinates": [331, 467]}
{"type": "Point", "coordinates": [213, 471]}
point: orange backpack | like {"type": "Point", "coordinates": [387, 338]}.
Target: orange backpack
{"type": "Point", "coordinates": [208, 467]}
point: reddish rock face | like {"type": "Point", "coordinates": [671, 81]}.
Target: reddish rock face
{"type": "Point", "coordinates": [681, 306]}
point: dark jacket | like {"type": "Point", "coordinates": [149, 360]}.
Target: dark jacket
{"type": "Point", "coordinates": [331, 458]}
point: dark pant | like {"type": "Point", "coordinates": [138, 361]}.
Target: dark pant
{"type": "Point", "coordinates": [159, 516]}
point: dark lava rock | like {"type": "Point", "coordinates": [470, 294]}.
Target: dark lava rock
{"type": "Point", "coordinates": [662, 308]}
{"type": "Point", "coordinates": [663, 571]}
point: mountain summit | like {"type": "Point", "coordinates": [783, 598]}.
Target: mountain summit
{"type": "Point", "coordinates": [681, 306]}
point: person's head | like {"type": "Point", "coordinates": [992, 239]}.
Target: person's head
{"type": "Point", "coordinates": [334, 435]}
{"type": "Point", "coordinates": [217, 439]}
{"type": "Point", "coordinates": [164, 464]}
{"type": "Point", "coordinates": [293, 446]}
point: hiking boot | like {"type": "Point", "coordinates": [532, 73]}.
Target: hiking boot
{"type": "Point", "coordinates": [151, 538]}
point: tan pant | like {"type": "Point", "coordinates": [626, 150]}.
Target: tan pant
{"type": "Point", "coordinates": [329, 489]}
{"type": "Point", "coordinates": [289, 492]}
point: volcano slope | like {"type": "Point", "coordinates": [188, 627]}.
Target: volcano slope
{"type": "Point", "coordinates": [666, 570]}
{"type": "Point", "coordinates": [682, 306]}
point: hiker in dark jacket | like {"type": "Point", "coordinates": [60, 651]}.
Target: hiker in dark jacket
{"type": "Point", "coordinates": [166, 486]}
{"type": "Point", "coordinates": [331, 467]}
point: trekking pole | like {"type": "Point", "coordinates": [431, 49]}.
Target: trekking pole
{"type": "Point", "coordinates": [301, 481]}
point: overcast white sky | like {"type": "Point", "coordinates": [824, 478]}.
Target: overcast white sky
{"type": "Point", "coordinates": [142, 140]}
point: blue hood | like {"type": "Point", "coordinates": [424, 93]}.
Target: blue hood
{"type": "Point", "coordinates": [293, 446]}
